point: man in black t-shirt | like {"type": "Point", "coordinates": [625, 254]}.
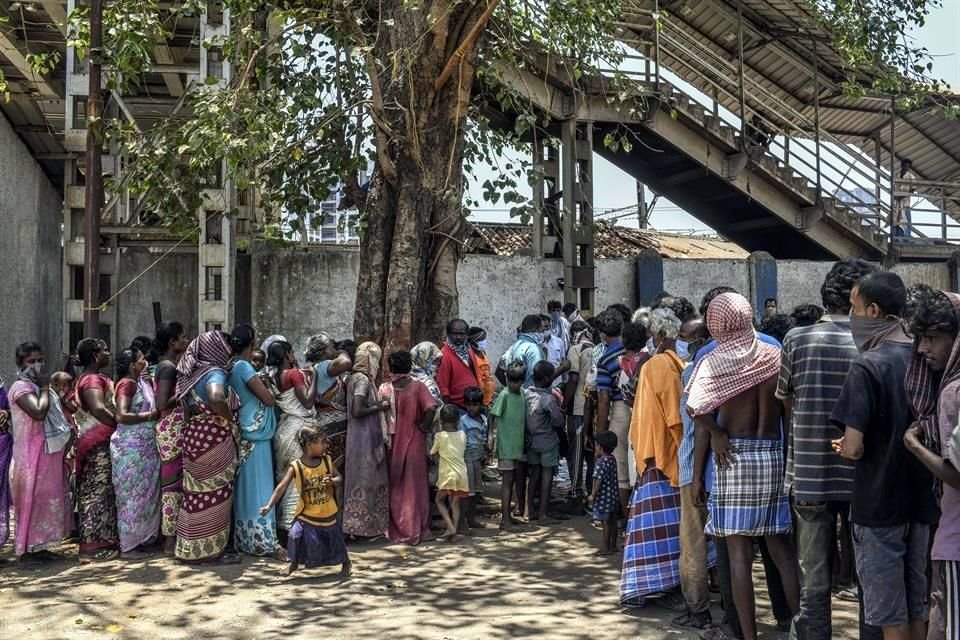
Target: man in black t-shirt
{"type": "Point", "coordinates": [893, 505]}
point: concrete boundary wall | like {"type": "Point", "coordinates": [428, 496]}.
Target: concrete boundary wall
{"type": "Point", "coordinates": [30, 255]}
{"type": "Point", "coordinates": [299, 291]}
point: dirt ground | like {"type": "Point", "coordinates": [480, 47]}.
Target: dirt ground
{"type": "Point", "coordinates": [541, 583]}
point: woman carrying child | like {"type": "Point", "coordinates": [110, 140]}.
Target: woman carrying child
{"type": "Point", "coordinates": [253, 533]}
{"type": "Point", "coordinates": [297, 400]}
{"type": "Point", "coordinates": [316, 538]}
{"type": "Point", "coordinates": [450, 445]}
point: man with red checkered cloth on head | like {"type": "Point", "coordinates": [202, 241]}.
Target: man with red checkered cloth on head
{"type": "Point", "coordinates": [732, 398]}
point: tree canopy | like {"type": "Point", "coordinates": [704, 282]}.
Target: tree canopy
{"type": "Point", "coordinates": [324, 88]}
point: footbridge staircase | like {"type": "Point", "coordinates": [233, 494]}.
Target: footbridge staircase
{"type": "Point", "coordinates": [736, 113]}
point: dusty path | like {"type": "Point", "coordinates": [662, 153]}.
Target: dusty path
{"type": "Point", "coordinates": [542, 583]}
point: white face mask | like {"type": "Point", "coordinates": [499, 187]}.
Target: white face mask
{"type": "Point", "coordinates": [482, 345]}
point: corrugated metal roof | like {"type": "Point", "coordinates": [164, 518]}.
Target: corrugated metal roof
{"type": "Point", "coordinates": [610, 241]}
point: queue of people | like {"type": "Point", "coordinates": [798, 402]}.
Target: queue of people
{"type": "Point", "coordinates": [824, 441]}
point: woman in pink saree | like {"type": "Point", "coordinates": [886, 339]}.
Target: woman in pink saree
{"type": "Point", "coordinates": [412, 408]}
{"type": "Point", "coordinates": [39, 481]}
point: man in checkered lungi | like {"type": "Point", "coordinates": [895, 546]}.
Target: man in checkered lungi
{"type": "Point", "coordinates": [732, 397]}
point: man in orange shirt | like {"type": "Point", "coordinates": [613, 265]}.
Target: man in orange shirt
{"type": "Point", "coordinates": [481, 363]}
{"type": "Point", "coordinates": [651, 557]}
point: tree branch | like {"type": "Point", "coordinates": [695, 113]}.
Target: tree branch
{"type": "Point", "coordinates": [465, 46]}
{"type": "Point", "coordinates": [381, 127]}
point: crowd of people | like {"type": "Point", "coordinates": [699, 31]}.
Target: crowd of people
{"type": "Point", "coordinates": [825, 441]}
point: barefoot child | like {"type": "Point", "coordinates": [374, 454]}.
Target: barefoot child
{"type": "Point", "coordinates": [544, 419]}
{"type": "Point", "coordinates": [449, 444]}
{"type": "Point", "coordinates": [316, 539]}
{"type": "Point", "coordinates": [606, 496]}
{"type": "Point", "coordinates": [507, 419]}
{"type": "Point", "coordinates": [474, 426]}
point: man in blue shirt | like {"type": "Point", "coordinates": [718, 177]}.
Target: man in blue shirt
{"type": "Point", "coordinates": [612, 412]}
{"type": "Point", "coordinates": [528, 350]}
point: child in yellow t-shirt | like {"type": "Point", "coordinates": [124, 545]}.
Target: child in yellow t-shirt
{"type": "Point", "coordinates": [449, 445]}
{"type": "Point", "coordinates": [316, 539]}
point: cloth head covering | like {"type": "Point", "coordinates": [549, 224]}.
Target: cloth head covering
{"type": "Point", "coordinates": [923, 389]}
{"type": "Point", "coordinates": [477, 337]}
{"type": "Point", "coordinates": [367, 360]}
{"type": "Point", "coordinates": [270, 340]}
{"type": "Point", "coordinates": [583, 336]}
{"type": "Point", "coordinates": [425, 356]}
{"type": "Point", "coordinates": [207, 352]}
{"type": "Point", "coordinates": [560, 330]}
{"type": "Point", "coordinates": [740, 360]}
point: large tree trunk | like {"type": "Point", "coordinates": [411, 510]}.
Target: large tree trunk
{"type": "Point", "coordinates": [414, 225]}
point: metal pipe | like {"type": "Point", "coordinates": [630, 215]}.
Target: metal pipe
{"type": "Point", "coordinates": [943, 213]}
{"type": "Point", "coordinates": [656, 43]}
{"type": "Point", "coordinates": [740, 80]}
{"type": "Point", "coordinates": [816, 113]}
{"type": "Point", "coordinates": [893, 169]}
{"type": "Point", "coordinates": [93, 193]}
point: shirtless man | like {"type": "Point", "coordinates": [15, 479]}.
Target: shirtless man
{"type": "Point", "coordinates": [731, 397]}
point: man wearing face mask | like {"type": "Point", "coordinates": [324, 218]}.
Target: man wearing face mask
{"type": "Point", "coordinates": [814, 364]}
{"type": "Point", "coordinates": [559, 342]}
{"type": "Point", "coordinates": [612, 412]}
{"type": "Point", "coordinates": [893, 502]}
{"type": "Point", "coordinates": [457, 371]}
{"type": "Point", "coordinates": [527, 350]}
{"type": "Point", "coordinates": [477, 337]}
{"type": "Point", "coordinates": [651, 556]}
{"type": "Point", "coordinates": [694, 547]}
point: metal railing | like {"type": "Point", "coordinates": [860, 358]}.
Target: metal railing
{"type": "Point", "coordinates": [782, 139]}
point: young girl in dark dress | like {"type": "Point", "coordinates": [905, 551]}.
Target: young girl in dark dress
{"type": "Point", "coordinates": [316, 537]}
{"type": "Point", "coordinates": [605, 497]}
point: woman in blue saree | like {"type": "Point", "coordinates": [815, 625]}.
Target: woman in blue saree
{"type": "Point", "coordinates": [253, 534]}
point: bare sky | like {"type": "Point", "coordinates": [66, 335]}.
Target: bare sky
{"type": "Point", "coordinates": [615, 189]}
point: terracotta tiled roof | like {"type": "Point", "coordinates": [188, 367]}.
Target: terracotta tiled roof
{"type": "Point", "coordinates": [506, 239]}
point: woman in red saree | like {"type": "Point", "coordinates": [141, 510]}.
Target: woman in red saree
{"type": "Point", "coordinates": [96, 501]}
{"type": "Point", "coordinates": [210, 437]}
{"type": "Point", "coordinates": [412, 408]}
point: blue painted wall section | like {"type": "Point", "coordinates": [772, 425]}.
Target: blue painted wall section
{"type": "Point", "coordinates": [763, 279]}
{"type": "Point", "coordinates": [648, 281]}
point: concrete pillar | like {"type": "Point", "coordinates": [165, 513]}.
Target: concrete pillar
{"type": "Point", "coordinates": [763, 279]}
{"type": "Point", "coordinates": [953, 268]}
{"type": "Point", "coordinates": [648, 278]}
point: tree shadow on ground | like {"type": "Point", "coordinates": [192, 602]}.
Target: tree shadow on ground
{"type": "Point", "coordinates": [542, 582]}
